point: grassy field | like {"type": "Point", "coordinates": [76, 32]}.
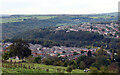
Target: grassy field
{"type": "Point", "coordinates": [19, 19]}
{"type": "Point", "coordinates": [35, 68]}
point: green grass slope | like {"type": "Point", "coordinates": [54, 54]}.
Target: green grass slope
{"type": "Point", "coordinates": [38, 68]}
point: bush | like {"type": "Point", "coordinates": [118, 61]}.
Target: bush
{"type": "Point", "coordinates": [93, 70]}
{"type": "Point", "coordinates": [59, 63]}
{"type": "Point", "coordinates": [96, 64]}
{"type": "Point", "coordinates": [101, 61]}
{"type": "Point", "coordinates": [89, 61]}
{"type": "Point", "coordinates": [66, 63]}
{"type": "Point", "coordinates": [73, 63]}
{"type": "Point", "coordinates": [30, 59]}
{"type": "Point", "coordinates": [103, 69]}
{"type": "Point", "coordinates": [113, 67]}
{"type": "Point", "coordinates": [47, 61]}
{"type": "Point", "coordinates": [81, 58]}
{"type": "Point", "coordinates": [82, 65]}
{"type": "Point", "coordinates": [6, 55]}
{"type": "Point", "coordinates": [69, 69]}
{"type": "Point", "coordinates": [37, 59]}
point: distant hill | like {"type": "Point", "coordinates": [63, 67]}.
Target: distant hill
{"type": "Point", "coordinates": [111, 14]}
{"type": "Point", "coordinates": [15, 24]}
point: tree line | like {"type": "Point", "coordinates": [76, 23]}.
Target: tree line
{"type": "Point", "coordinates": [49, 37]}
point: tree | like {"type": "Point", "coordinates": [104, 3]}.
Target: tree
{"type": "Point", "coordinates": [118, 61]}
{"type": "Point", "coordinates": [58, 54]}
{"type": "Point", "coordinates": [73, 63]}
{"type": "Point", "coordinates": [20, 48]}
{"type": "Point", "coordinates": [64, 52]}
{"type": "Point", "coordinates": [89, 53]}
{"type": "Point", "coordinates": [112, 56]}
{"type": "Point", "coordinates": [6, 55]}
{"type": "Point", "coordinates": [82, 52]}
{"type": "Point", "coordinates": [119, 49]}
{"type": "Point", "coordinates": [101, 61]}
{"type": "Point", "coordinates": [101, 52]}
{"type": "Point", "coordinates": [81, 58]}
{"type": "Point", "coordinates": [75, 53]}
{"type": "Point", "coordinates": [89, 61]}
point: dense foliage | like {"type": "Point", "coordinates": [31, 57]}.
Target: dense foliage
{"type": "Point", "coordinates": [6, 56]}
{"type": "Point", "coordinates": [50, 37]}
{"type": "Point", "coordinates": [19, 48]}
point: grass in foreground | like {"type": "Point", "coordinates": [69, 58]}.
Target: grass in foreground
{"type": "Point", "coordinates": [37, 68]}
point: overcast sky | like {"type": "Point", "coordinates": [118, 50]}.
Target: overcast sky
{"type": "Point", "coordinates": [58, 6]}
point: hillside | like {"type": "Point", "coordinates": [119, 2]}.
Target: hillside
{"type": "Point", "coordinates": [50, 37]}
{"type": "Point", "coordinates": [39, 68]}
{"type": "Point", "coordinates": [61, 35]}
{"type": "Point", "coordinates": [15, 24]}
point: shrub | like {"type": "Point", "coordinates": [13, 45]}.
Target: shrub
{"type": "Point", "coordinates": [81, 58]}
{"type": "Point", "coordinates": [30, 59]}
{"type": "Point", "coordinates": [37, 59]}
{"type": "Point", "coordinates": [101, 61]}
{"type": "Point", "coordinates": [73, 63]}
{"type": "Point", "coordinates": [113, 67]}
{"type": "Point", "coordinates": [66, 63]}
{"type": "Point", "coordinates": [6, 55]}
{"type": "Point", "coordinates": [82, 65]}
{"type": "Point", "coordinates": [47, 61]}
{"type": "Point", "coordinates": [89, 61]}
{"type": "Point", "coordinates": [103, 69]}
{"type": "Point", "coordinates": [69, 69]}
{"type": "Point", "coordinates": [93, 70]}
{"type": "Point", "coordinates": [96, 64]}
{"type": "Point", "coordinates": [59, 63]}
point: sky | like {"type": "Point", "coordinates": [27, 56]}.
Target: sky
{"type": "Point", "coordinates": [58, 6]}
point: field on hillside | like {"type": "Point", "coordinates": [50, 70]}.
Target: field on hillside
{"type": "Point", "coordinates": [21, 18]}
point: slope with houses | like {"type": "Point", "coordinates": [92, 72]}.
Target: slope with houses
{"type": "Point", "coordinates": [59, 51]}
{"type": "Point", "coordinates": [108, 30]}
